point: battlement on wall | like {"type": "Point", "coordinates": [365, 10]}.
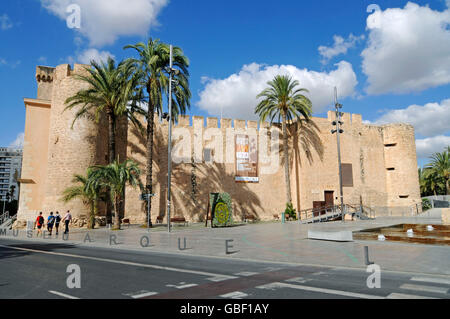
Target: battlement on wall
{"type": "Point", "coordinates": [48, 74]}
{"type": "Point", "coordinates": [214, 122]}
{"type": "Point", "coordinates": [65, 70]}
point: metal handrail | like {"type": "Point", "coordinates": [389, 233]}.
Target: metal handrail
{"type": "Point", "coordinates": [4, 217]}
{"type": "Point", "coordinates": [309, 213]}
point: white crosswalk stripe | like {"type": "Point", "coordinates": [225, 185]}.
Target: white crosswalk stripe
{"type": "Point", "coordinates": [405, 296]}
{"type": "Point", "coordinates": [182, 285]}
{"type": "Point", "coordinates": [141, 294]}
{"type": "Point", "coordinates": [433, 289]}
{"type": "Point", "coordinates": [277, 285]}
{"type": "Point", "coordinates": [220, 278]}
{"type": "Point", "coordinates": [433, 280]}
{"type": "Point", "coordinates": [246, 274]}
{"type": "Point", "coordinates": [235, 295]}
{"type": "Point", "coordinates": [62, 295]}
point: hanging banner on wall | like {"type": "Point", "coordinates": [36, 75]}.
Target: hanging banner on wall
{"type": "Point", "coordinates": [247, 159]}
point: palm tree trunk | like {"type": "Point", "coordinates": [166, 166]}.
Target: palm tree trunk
{"type": "Point", "coordinates": [286, 161]}
{"type": "Point", "coordinates": [94, 210]}
{"type": "Point", "coordinates": [112, 136]}
{"type": "Point", "coordinates": [150, 133]}
{"type": "Point", "coordinates": [91, 212]}
{"type": "Point", "coordinates": [117, 215]}
{"type": "Point", "coordinates": [111, 150]}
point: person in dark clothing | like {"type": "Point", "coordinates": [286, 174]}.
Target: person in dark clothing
{"type": "Point", "coordinates": [50, 223]}
{"type": "Point", "coordinates": [57, 222]}
{"type": "Point", "coordinates": [67, 220]}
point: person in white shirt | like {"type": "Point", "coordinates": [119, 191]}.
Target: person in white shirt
{"type": "Point", "coordinates": [67, 218]}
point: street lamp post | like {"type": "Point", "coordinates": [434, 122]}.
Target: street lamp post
{"type": "Point", "coordinates": [169, 181]}
{"type": "Point", "coordinates": [338, 131]}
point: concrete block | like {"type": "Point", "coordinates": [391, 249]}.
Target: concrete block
{"type": "Point", "coordinates": [341, 236]}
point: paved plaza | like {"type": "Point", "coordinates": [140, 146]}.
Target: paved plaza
{"type": "Point", "coordinates": [271, 242]}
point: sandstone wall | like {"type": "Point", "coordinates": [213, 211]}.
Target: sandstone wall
{"type": "Point", "coordinates": [383, 159]}
{"type": "Point", "coordinates": [70, 150]}
{"type": "Point", "coordinates": [189, 200]}
{"type": "Point", "coordinates": [34, 164]}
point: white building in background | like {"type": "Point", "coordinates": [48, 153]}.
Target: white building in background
{"type": "Point", "coordinates": [10, 169]}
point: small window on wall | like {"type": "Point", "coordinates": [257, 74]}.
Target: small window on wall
{"type": "Point", "coordinates": [391, 169]}
{"type": "Point", "coordinates": [207, 155]}
{"type": "Point", "coordinates": [347, 175]}
{"type": "Point", "coordinates": [390, 145]}
{"type": "Point", "coordinates": [404, 196]}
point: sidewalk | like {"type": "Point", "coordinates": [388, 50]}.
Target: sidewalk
{"type": "Point", "coordinates": [274, 242]}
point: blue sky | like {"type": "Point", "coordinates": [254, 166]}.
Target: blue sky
{"type": "Point", "coordinates": [390, 65]}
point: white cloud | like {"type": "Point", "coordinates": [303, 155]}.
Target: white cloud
{"type": "Point", "coordinates": [18, 142]}
{"type": "Point", "coordinates": [103, 21]}
{"type": "Point", "coordinates": [88, 55]}
{"type": "Point", "coordinates": [42, 59]}
{"type": "Point", "coordinates": [236, 95]}
{"type": "Point", "coordinates": [10, 64]}
{"type": "Point", "coordinates": [340, 46]}
{"type": "Point", "coordinates": [5, 22]}
{"type": "Point", "coordinates": [408, 49]}
{"type": "Point", "coordinates": [428, 120]}
{"type": "Point", "coordinates": [427, 147]}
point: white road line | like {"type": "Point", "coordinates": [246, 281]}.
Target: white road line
{"type": "Point", "coordinates": [220, 278]}
{"type": "Point", "coordinates": [272, 269]}
{"type": "Point", "coordinates": [432, 280]}
{"type": "Point", "coordinates": [62, 295]}
{"type": "Point", "coordinates": [299, 280]}
{"type": "Point", "coordinates": [437, 290]}
{"type": "Point", "coordinates": [127, 263]}
{"type": "Point", "coordinates": [186, 286]}
{"type": "Point", "coordinates": [246, 274]}
{"type": "Point", "coordinates": [404, 296]}
{"type": "Point", "coordinates": [234, 295]}
{"type": "Point", "coordinates": [321, 290]}
{"type": "Point", "coordinates": [143, 295]}
{"type": "Point", "coordinates": [182, 285]}
{"type": "Point", "coordinates": [320, 273]}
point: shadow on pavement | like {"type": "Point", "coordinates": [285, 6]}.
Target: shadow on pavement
{"type": "Point", "coordinates": [13, 252]}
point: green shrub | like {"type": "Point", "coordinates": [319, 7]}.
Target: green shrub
{"type": "Point", "coordinates": [290, 211]}
{"type": "Point", "coordinates": [426, 204]}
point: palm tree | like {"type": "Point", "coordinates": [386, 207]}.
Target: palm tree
{"type": "Point", "coordinates": [153, 63]}
{"type": "Point", "coordinates": [440, 165]}
{"type": "Point", "coordinates": [112, 90]}
{"type": "Point", "coordinates": [283, 100]}
{"type": "Point", "coordinates": [88, 193]}
{"type": "Point", "coordinates": [115, 177]}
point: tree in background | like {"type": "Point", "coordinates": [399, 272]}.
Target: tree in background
{"type": "Point", "coordinates": [283, 100]}
{"type": "Point", "coordinates": [440, 166]}
{"type": "Point", "coordinates": [114, 178]}
{"type": "Point", "coordinates": [112, 90]}
{"type": "Point", "coordinates": [89, 193]}
{"type": "Point", "coordinates": [434, 178]}
{"type": "Point", "coordinates": [152, 69]}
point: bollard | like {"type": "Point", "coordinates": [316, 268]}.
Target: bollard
{"type": "Point", "coordinates": [366, 255]}
{"type": "Point", "coordinates": [283, 218]}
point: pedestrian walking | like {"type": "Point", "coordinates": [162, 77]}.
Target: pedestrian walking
{"type": "Point", "coordinates": [67, 219]}
{"type": "Point", "coordinates": [50, 223]}
{"type": "Point", "coordinates": [57, 222]}
{"type": "Point", "coordinates": [39, 223]}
